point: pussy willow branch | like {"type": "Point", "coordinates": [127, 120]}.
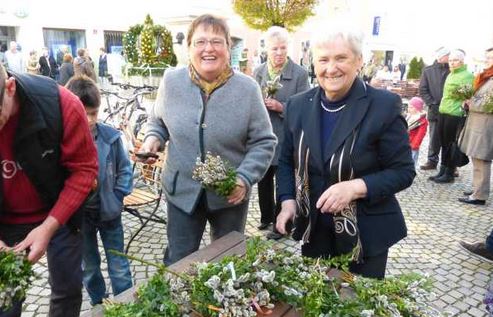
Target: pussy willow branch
{"type": "Point", "coordinates": [158, 265]}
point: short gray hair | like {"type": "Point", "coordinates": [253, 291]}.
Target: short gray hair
{"type": "Point", "coordinates": [458, 54]}
{"type": "Point", "coordinates": [341, 30]}
{"type": "Point", "coordinates": [277, 32]}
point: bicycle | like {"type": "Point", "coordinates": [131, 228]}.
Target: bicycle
{"type": "Point", "coordinates": [121, 111]}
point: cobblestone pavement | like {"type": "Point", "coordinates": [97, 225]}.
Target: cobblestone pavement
{"type": "Point", "coordinates": [436, 223]}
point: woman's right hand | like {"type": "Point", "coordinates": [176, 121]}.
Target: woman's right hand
{"type": "Point", "coordinates": [151, 144]}
{"type": "Point", "coordinates": [288, 211]}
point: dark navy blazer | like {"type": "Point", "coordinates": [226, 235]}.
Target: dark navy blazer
{"type": "Point", "coordinates": [381, 157]}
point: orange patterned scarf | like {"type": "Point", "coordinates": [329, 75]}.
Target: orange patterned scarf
{"type": "Point", "coordinates": [482, 78]}
{"type": "Point", "coordinates": [209, 87]}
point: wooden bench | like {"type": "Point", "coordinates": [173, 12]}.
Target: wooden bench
{"type": "Point", "coordinates": [231, 244]}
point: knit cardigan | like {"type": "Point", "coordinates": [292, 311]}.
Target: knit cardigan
{"type": "Point", "coordinates": [233, 123]}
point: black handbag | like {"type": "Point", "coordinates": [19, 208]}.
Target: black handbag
{"type": "Point", "coordinates": [457, 156]}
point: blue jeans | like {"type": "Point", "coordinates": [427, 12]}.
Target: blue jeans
{"type": "Point", "coordinates": [415, 156]}
{"type": "Point", "coordinates": [111, 233]}
{"type": "Point", "coordinates": [64, 267]}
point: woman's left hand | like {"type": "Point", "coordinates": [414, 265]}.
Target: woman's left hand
{"type": "Point", "coordinates": [273, 105]}
{"type": "Point", "coordinates": [338, 196]}
{"type": "Point", "coordinates": [239, 193]}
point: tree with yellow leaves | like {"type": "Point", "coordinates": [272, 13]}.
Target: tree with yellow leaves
{"type": "Point", "coordinates": [262, 14]}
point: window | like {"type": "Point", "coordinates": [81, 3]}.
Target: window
{"type": "Point", "coordinates": [60, 41]}
{"type": "Point", "coordinates": [113, 41]}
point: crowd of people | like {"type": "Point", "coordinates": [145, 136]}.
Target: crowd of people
{"type": "Point", "coordinates": [60, 65]}
{"type": "Point", "coordinates": [328, 159]}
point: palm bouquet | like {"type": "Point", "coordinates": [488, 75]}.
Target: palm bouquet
{"type": "Point", "coordinates": [462, 92]}
{"type": "Point", "coordinates": [271, 87]}
{"type": "Point", "coordinates": [214, 174]}
{"type": "Point", "coordinates": [488, 103]}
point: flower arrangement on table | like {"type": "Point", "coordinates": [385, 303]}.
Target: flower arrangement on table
{"type": "Point", "coordinates": [250, 285]}
{"type": "Point", "coordinates": [214, 174]}
{"type": "Point", "coordinates": [16, 276]}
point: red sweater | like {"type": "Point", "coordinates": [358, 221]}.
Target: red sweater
{"type": "Point", "coordinates": [417, 134]}
{"type": "Point", "coordinates": [78, 155]}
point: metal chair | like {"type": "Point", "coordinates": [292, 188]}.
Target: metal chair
{"type": "Point", "coordinates": [145, 199]}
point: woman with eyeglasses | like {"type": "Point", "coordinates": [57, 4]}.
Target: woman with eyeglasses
{"type": "Point", "coordinates": [207, 107]}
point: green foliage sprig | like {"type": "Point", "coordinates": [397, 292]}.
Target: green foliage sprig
{"type": "Point", "coordinates": [16, 276]}
{"type": "Point", "coordinates": [153, 300]}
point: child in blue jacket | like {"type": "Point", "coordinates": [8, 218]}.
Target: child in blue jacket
{"type": "Point", "coordinates": [103, 207]}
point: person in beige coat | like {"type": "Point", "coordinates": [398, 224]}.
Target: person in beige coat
{"type": "Point", "coordinates": [476, 141]}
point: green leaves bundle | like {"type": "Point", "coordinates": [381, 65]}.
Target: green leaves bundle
{"type": "Point", "coordinates": [16, 276]}
{"type": "Point", "coordinates": [214, 174]}
{"type": "Point", "coordinates": [153, 300]}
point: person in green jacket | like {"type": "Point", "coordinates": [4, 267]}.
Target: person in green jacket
{"type": "Point", "coordinates": [451, 113]}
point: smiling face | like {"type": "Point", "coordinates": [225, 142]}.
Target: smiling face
{"type": "Point", "coordinates": [209, 52]}
{"type": "Point", "coordinates": [336, 67]}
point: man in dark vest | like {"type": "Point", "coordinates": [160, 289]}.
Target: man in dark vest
{"type": "Point", "coordinates": [49, 165]}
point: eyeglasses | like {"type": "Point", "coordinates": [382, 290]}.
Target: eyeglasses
{"type": "Point", "coordinates": [215, 43]}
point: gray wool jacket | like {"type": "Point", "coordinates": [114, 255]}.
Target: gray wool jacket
{"type": "Point", "coordinates": [233, 124]}
{"type": "Point", "coordinates": [294, 80]}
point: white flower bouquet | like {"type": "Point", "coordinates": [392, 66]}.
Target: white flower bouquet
{"type": "Point", "coordinates": [271, 87]}
{"type": "Point", "coordinates": [463, 92]}
{"type": "Point", "coordinates": [214, 174]}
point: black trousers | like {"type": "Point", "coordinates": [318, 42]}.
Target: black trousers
{"type": "Point", "coordinates": [64, 256]}
{"type": "Point", "coordinates": [322, 244]}
{"type": "Point", "coordinates": [434, 142]}
{"type": "Point", "coordinates": [448, 129]}
{"type": "Point", "coordinates": [266, 197]}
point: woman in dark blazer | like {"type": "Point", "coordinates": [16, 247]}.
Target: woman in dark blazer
{"type": "Point", "coordinates": [345, 154]}
{"type": "Point", "coordinates": [293, 79]}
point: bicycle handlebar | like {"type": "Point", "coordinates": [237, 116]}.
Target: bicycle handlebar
{"type": "Point", "coordinates": [128, 86]}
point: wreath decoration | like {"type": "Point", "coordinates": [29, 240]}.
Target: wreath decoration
{"type": "Point", "coordinates": [148, 45]}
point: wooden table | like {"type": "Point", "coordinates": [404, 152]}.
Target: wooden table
{"type": "Point", "coordinates": [231, 244]}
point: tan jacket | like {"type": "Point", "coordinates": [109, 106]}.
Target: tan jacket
{"type": "Point", "coordinates": [476, 140]}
